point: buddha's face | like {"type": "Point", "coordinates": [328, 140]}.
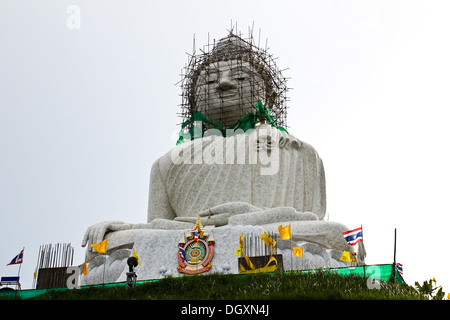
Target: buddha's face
{"type": "Point", "coordinates": [227, 90]}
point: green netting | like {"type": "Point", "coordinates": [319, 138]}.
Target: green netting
{"type": "Point", "coordinates": [25, 294]}
{"type": "Point", "coordinates": [383, 272]}
{"type": "Point", "coordinates": [244, 123]}
{"type": "Point", "coordinates": [32, 293]}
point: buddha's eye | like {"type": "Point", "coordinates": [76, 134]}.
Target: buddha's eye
{"type": "Point", "coordinates": [211, 80]}
{"type": "Point", "coordinates": [241, 76]}
{"type": "Point", "coordinates": [209, 77]}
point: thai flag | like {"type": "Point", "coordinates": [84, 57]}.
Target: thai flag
{"type": "Point", "coordinates": [182, 252]}
{"type": "Point", "coordinates": [17, 259]}
{"type": "Point", "coordinates": [195, 233]}
{"type": "Point", "coordinates": [399, 267]}
{"type": "Point", "coordinates": [353, 236]}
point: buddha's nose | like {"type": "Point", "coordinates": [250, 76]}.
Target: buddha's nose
{"type": "Point", "coordinates": [226, 83]}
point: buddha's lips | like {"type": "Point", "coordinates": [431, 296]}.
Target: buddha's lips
{"type": "Point", "coordinates": [228, 94]}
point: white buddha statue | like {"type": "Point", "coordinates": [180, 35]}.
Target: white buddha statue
{"type": "Point", "coordinates": [263, 176]}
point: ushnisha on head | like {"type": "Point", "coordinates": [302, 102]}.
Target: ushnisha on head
{"type": "Point", "coordinates": [227, 82]}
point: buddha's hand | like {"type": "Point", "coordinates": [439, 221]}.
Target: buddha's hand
{"type": "Point", "coordinates": [219, 215]}
{"type": "Point", "coordinates": [272, 215]}
{"type": "Point", "coordinates": [96, 232]}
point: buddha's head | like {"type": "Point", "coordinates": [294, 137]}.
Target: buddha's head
{"type": "Point", "coordinates": [227, 82]}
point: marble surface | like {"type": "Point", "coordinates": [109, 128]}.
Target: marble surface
{"type": "Point", "coordinates": [158, 249]}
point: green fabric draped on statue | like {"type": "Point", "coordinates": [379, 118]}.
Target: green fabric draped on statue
{"type": "Point", "coordinates": [246, 122]}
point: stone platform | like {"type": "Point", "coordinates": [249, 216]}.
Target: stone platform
{"type": "Point", "coordinates": [158, 249]}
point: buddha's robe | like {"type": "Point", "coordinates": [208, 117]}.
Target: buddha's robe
{"type": "Point", "coordinates": [262, 177]}
{"type": "Point", "coordinates": [248, 168]}
{"type": "Point", "coordinates": [249, 179]}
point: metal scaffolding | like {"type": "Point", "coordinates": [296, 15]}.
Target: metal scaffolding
{"type": "Point", "coordinates": [253, 75]}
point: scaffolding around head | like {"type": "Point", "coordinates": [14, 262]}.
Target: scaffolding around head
{"type": "Point", "coordinates": [253, 76]}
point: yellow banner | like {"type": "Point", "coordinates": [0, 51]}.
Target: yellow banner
{"type": "Point", "coordinates": [101, 246]}
{"type": "Point", "coordinates": [268, 240]}
{"type": "Point", "coordinates": [285, 232]}
{"type": "Point", "coordinates": [297, 251]}
{"type": "Point", "coordinates": [345, 256]}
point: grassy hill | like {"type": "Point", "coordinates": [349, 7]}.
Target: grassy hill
{"type": "Point", "coordinates": [263, 286]}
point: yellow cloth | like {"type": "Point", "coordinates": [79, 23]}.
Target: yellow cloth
{"type": "Point", "coordinates": [85, 270]}
{"type": "Point", "coordinates": [270, 243]}
{"type": "Point", "coordinates": [266, 268]}
{"type": "Point", "coordinates": [249, 263]}
{"type": "Point", "coordinates": [268, 240]}
{"type": "Point", "coordinates": [136, 256]}
{"type": "Point", "coordinates": [285, 232]}
{"type": "Point", "coordinates": [345, 256]}
{"type": "Point", "coordinates": [297, 251]}
{"type": "Point", "coordinates": [238, 251]}
{"type": "Point", "coordinates": [241, 241]}
{"type": "Point", "coordinates": [101, 246]}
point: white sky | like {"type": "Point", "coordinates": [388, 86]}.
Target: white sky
{"type": "Point", "coordinates": [84, 114]}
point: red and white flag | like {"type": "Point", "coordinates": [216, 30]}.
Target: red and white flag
{"type": "Point", "coordinates": [17, 259]}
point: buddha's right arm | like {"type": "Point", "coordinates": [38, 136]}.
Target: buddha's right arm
{"type": "Point", "coordinates": [160, 214]}
{"type": "Point", "coordinates": [159, 206]}
{"type": "Point", "coordinates": [96, 232]}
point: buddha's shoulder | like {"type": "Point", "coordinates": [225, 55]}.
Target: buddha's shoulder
{"type": "Point", "coordinates": [292, 143]}
{"type": "Point", "coordinates": [286, 142]}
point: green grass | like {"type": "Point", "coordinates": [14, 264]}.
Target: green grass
{"type": "Point", "coordinates": [275, 286]}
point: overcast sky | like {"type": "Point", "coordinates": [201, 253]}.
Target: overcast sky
{"type": "Point", "coordinates": [85, 112]}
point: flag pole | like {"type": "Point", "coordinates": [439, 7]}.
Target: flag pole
{"type": "Point", "coordinates": [18, 274]}
{"type": "Point", "coordinates": [20, 266]}
{"type": "Point", "coordinates": [290, 239]}
{"type": "Point", "coordinates": [362, 235]}
{"type": "Point", "coordinates": [104, 267]}
{"type": "Point", "coordinates": [395, 244]}
{"type": "Point", "coordinates": [395, 253]}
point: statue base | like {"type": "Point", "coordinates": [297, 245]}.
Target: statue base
{"type": "Point", "coordinates": [158, 252]}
